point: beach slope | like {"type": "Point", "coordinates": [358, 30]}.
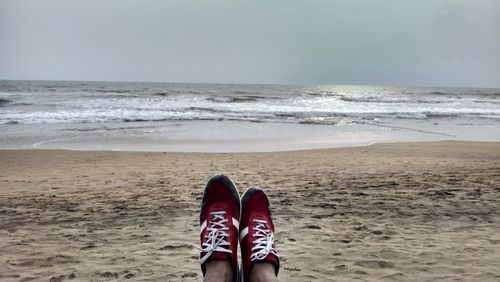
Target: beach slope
{"type": "Point", "coordinates": [405, 211]}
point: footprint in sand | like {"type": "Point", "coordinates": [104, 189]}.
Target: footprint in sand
{"type": "Point", "coordinates": [398, 276]}
{"type": "Point", "coordinates": [189, 274]}
{"type": "Point", "coordinates": [374, 264]}
{"type": "Point", "coordinates": [62, 277]}
{"type": "Point", "coordinates": [175, 247]}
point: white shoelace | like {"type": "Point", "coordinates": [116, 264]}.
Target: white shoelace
{"type": "Point", "coordinates": [215, 240]}
{"type": "Point", "coordinates": [263, 244]}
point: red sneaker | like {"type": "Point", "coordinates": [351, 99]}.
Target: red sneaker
{"type": "Point", "coordinates": [219, 220]}
{"type": "Point", "coordinates": [257, 232]}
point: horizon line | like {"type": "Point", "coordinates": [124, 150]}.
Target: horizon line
{"type": "Point", "coordinates": [254, 83]}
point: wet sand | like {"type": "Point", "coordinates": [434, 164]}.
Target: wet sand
{"type": "Point", "coordinates": [405, 211]}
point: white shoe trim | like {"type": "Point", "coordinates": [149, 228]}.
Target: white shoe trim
{"type": "Point", "coordinates": [236, 223]}
{"type": "Point", "coordinates": [203, 226]}
{"type": "Point", "coordinates": [243, 233]}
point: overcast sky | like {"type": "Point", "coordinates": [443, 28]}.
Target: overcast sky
{"type": "Point", "coordinates": [383, 42]}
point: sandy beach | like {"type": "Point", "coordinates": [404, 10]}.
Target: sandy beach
{"type": "Point", "coordinates": [405, 211]}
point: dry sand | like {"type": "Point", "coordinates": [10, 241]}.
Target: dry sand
{"type": "Point", "coordinates": [416, 211]}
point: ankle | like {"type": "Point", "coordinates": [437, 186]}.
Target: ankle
{"type": "Point", "coordinates": [263, 271]}
{"type": "Point", "coordinates": [218, 270]}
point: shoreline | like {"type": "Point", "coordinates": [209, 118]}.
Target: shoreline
{"type": "Point", "coordinates": [235, 136]}
{"type": "Point", "coordinates": [368, 145]}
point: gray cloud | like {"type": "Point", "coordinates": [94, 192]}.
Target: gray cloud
{"type": "Point", "coordinates": [424, 42]}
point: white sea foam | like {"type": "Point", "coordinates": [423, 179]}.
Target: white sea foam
{"type": "Point", "coordinates": [77, 102]}
{"type": "Point", "coordinates": [223, 118]}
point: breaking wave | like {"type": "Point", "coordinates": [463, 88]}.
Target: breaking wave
{"type": "Point", "coordinates": [98, 102]}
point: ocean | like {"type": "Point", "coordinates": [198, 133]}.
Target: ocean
{"type": "Point", "coordinates": [237, 117]}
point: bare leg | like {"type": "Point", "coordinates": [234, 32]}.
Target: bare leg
{"type": "Point", "coordinates": [263, 272]}
{"type": "Point", "coordinates": [218, 271]}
